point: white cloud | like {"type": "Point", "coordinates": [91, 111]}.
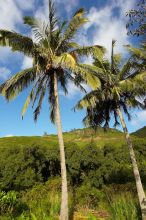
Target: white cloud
{"type": "Point", "coordinates": [25, 5]}
{"type": "Point", "coordinates": [61, 5]}
{"type": "Point", "coordinates": [10, 15]}
{"type": "Point", "coordinates": [27, 63]}
{"type": "Point", "coordinates": [11, 12]}
{"type": "Point", "coordinates": [9, 135]}
{"type": "Point", "coordinates": [42, 12]}
{"type": "Point", "coordinates": [68, 6]}
{"type": "Point", "coordinates": [139, 119]}
{"type": "Point", "coordinates": [106, 25]}
{"type": "Point", "coordinates": [5, 73]}
{"type": "Point", "coordinates": [124, 5]}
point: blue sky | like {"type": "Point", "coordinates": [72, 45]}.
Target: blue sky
{"type": "Point", "coordinates": [107, 22]}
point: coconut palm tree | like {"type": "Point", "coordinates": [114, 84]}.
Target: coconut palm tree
{"type": "Point", "coordinates": [121, 86]}
{"type": "Point", "coordinates": [55, 57]}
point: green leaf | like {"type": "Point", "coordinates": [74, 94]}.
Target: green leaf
{"type": "Point", "coordinates": [31, 21]}
{"type": "Point", "coordinates": [27, 102]}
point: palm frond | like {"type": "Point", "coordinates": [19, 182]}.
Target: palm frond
{"type": "Point", "coordinates": [136, 84]}
{"type": "Point", "coordinates": [53, 20]}
{"type": "Point", "coordinates": [17, 42]}
{"type": "Point", "coordinates": [27, 102]}
{"type": "Point", "coordinates": [88, 100]}
{"type": "Point", "coordinates": [126, 70]}
{"type": "Point", "coordinates": [136, 52]}
{"type": "Point", "coordinates": [97, 71]}
{"type": "Point", "coordinates": [89, 77]}
{"type": "Point", "coordinates": [94, 50]}
{"type": "Point", "coordinates": [39, 106]}
{"type": "Point", "coordinates": [65, 60]}
{"type": "Point", "coordinates": [76, 22]}
{"type": "Point", "coordinates": [62, 79]}
{"type": "Point", "coordinates": [77, 80]}
{"type": "Point", "coordinates": [30, 21]}
{"type": "Point", "coordinates": [12, 87]}
{"type": "Point", "coordinates": [32, 95]}
{"type": "Point", "coordinates": [40, 29]}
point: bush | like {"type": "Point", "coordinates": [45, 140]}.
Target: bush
{"type": "Point", "coordinates": [86, 195]}
{"type": "Point", "coordinates": [22, 167]}
{"type": "Point", "coordinates": [43, 200]}
{"type": "Point", "coordinates": [10, 204]}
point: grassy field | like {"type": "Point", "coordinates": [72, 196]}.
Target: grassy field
{"type": "Point", "coordinates": [80, 136]}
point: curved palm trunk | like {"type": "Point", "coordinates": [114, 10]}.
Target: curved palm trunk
{"type": "Point", "coordinates": [64, 195]}
{"type": "Point", "coordinates": [140, 190]}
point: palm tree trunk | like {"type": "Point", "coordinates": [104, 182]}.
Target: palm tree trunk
{"type": "Point", "coordinates": [140, 190]}
{"type": "Point", "coordinates": [64, 195]}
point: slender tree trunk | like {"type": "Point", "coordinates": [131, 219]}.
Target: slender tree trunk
{"type": "Point", "coordinates": [64, 195]}
{"type": "Point", "coordinates": [140, 190]}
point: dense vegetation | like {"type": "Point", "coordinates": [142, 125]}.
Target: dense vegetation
{"type": "Point", "coordinates": [97, 175]}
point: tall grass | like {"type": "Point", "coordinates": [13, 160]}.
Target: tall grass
{"type": "Point", "coordinates": [124, 207]}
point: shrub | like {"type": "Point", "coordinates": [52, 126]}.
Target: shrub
{"type": "Point", "coordinates": [43, 200]}
{"type": "Point", "coordinates": [10, 204]}
{"type": "Point", "coordinates": [22, 167]}
{"type": "Point", "coordinates": [86, 195]}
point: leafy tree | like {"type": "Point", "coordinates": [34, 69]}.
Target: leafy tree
{"type": "Point", "coordinates": [137, 19]}
{"type": "Point", "coordinates": [120, 88]}
{"type": "Point", "coordinates": [55, 58]}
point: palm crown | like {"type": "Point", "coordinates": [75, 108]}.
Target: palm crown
{"type": "Point", "coordinates": [122, 85]}
{"type": "Point", "coordinates": [53, 51]}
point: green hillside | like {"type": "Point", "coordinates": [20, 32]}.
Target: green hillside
{"type": "Point", "coordinates": [141, 133]}
{"type": "Point", "coordinates": [99, 176]}
{"type": "Point", "coordinates": [80, 136]}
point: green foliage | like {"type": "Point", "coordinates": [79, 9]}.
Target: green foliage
{"type": "Point", "coordinates": [93, 173]}
{"type": "Point", "coordinates": [86, 195]}
{"type": "Point", "coordinates": [121, 84]}
{"type": "Point", "coordinates": [22, 167]}
{"type": "Point", "coordinates": [124, 208]}
{"type": "Point", "coordinates": [44, 199]}
{"type": "Point", "coordinates": [7, 202]}
{"type": "Point", "coordinates": [141, 133]}
{"type": "Point", "coordinates": [92, 217]}
{"type": "Point", "coordinates": [10, 204]}
{"type": "Point", "coordinates": [26, 166]}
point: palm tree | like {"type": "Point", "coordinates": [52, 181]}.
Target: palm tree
{"type": "Point", "coordinates": [121, 86]}
{"type": "Point", "coordinates": [55, 60]}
